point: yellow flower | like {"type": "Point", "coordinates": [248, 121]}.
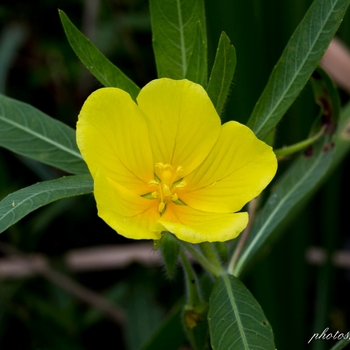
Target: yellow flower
{"type": "Point", "coordinates": [167, 163]}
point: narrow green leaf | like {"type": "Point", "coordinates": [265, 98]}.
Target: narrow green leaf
{"type": "Point", "coordinates": [296, 185]}
{"type": "Point", "coordinates": [197, 65]}
{"type": "Point", "coordinates": [174, 25]}
{"type": "Point", "coordinates": [31, 133]}
{"type": "Point", "coordinates": [222, 73]}
{"type": "Point", "coordinates": [298, 60]}
{"type": "Point", "coordinates": [342, 343]}
{"type": "Point", "coordinates": [236, 320]}
{"type": "Point", "coordinates": [22, 202]}
{"type": "Point", "coordinates": [99, 66]}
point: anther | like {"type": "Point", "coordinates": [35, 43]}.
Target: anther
{"type": "Point", "coordinates": [181, 184]}
{"type": "Point", "coordinates": [153, 183]}
{"type": "Point", "coordinates": [179, 169]}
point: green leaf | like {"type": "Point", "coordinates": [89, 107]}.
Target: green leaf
{"type": "Point", "coordinates": [297, 183]}
{"type": "Point", "coordinates": [197, 65]}
{"type": "Point", "coordinates": [342, 343]}
{"type": "Point", "coordinates": [298, 60]}
{"type": "Point", "coordinates": [22, 202]}
{"type": "Point", "coordinates": [236, 320]}
{"type": "Point", "coordinates": [99, 66]}
{"type": "Point", "coordinates": [31, 133]}
{"type": "Point", "coordinates": [222, 73]}
{"type": "Point", "coordinates": [174, 24]}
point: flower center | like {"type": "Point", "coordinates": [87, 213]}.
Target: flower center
{"type": "Point", "coordinates": [167, 181]}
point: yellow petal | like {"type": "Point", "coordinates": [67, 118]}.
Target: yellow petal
{"type": "Point", "coordinates": [195, 226]}
{"type": "Point", "coordinates": [112, 136]}
{"type": "Point", "coordinates": [237, 169]}
{"type": "Point", "coordinates": [129, 214]}
{"type": "Point", "coordinates": [183, 123]}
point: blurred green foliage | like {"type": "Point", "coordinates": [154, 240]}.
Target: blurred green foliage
{"type": "Point", "coordinates": [39, 67]}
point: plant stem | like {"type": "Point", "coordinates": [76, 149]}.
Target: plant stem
{"type": "Point", "coordinates": [209, 252]}
{"type": "Point", "coordinates": [206, 264]}
{"type": "Point", "coordinates": [288, 150]}
{"type": "Point", "coordinates": [193, 294]}
{"type": "Point", "coordinates": [244, 237]}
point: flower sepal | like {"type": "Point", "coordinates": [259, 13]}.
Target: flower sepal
{"type": "Point", "coordinates": [170, 249]}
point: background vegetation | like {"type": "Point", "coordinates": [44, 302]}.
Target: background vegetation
{"type": "Point", "coordinates": [45, 310]}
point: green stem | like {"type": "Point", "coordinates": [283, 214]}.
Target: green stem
{"type": "Point", "coordinates": [206, 264]}
{"type": "Point", "coordinates": [288, 150]}
{"type": "Point", "coordinates": [210, 253]}
{"type": "Point", "coordinates": [193, 294]}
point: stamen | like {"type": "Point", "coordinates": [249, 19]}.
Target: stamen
{"type": "Point", "coordinates": [166, 187]}
{"type": "Point", "coordinates": [179, 169]}
{"type": "Point", "coordinates": [161, 206]}
{"type": "Point", "coordinates": [181, 184]}
{"type": "Point", "coordinates": [159, 165]}
{"type": "Point", "coordinates": [153, 183]}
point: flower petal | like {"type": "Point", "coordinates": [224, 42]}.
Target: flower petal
{"type": "Point", "coordinates": [237, 169]}
{"type": "Point", "coordinates": [129, 214]}
{"type": "Point", "coordinates": [196, 226]}
{"type": "Point", "coordinates": [112, 135]}
{"type": "Point", "coordinates": [182, 122]}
